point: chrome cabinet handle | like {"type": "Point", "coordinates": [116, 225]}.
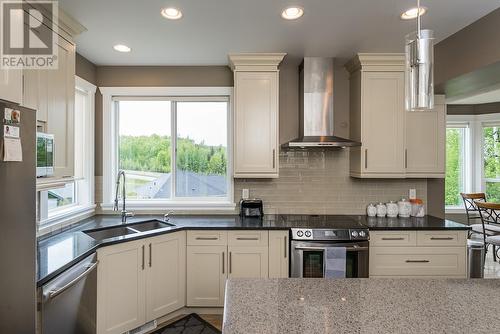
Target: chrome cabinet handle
{"type": "Point", "coordinates": [366, 158]}
{"type": "Point", "coordinates": [55, 293]}
{"type": "Point", "coordinates": [150, 255]}
{"type": "Point", "coordinates": [223, 262]}
{"type": "Point", "coordinates": [406, 158]}
{"type": "Point", "coordinates": [230, 262]}
{"type": "Point", "coordinates": [247, 238]}
{"type": "Point", "coordinates": [142, 257]}
{"type": "Point", "coordinates": [392, 239]}
{"type": "Point", "coordinates": [274, 158]}
{"type": "Point", "coordinates": [285, 246]}
{"type": "Point", "coordinates": [442, 238]}
{"type": "Point", "coordinates": [206, 238]}
{"type": "Point", "coordinates": [417, 261]}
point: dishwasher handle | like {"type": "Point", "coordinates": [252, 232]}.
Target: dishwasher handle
{"type": "Point", "coordinates": [57, 292]}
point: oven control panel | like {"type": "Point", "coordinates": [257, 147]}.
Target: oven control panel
{"type": "Point", "coordinates": [329, 234]}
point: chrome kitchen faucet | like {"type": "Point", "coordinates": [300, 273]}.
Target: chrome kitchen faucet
{"type": "Point", "coordinates": [124, 212]}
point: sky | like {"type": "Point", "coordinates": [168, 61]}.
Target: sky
{"type": "Point", "coordinates": [200, 121]}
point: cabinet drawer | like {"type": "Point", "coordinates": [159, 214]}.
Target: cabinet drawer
{"type": "Point", "coordinates": [418, 261]}
{"type": "Point", "coordinates": [441, 238]}
{"type": "Point", "coordinates": [393, 238]}
{"type": "Point", "coordinates": [207, 238]}
{"type": "Point", "coordinates": [248, 238]}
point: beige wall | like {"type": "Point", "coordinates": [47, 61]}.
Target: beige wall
{"type": "Point", "coordinates": [470, 49]}
{"type": "Point", "coordinates": [85, 69]}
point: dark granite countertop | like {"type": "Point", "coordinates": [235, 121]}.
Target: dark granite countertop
{"type": "Point", "coordinates": [59, 252]}
{"type": "Point", "coordinates": [360, 305]}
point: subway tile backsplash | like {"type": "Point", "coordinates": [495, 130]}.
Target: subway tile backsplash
{"type": "Point", "coordinates": [317, 181]}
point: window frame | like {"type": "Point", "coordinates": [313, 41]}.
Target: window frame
{"type": "Point", "coordinates": [474, 155]}
{"type": "Point", "coordinates": [111, 143]}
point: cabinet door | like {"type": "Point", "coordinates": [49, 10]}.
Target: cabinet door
{"type": "Point", "coordinates": [165, 274]}
{"type": "Point", "coordinates": [383, 123]}
{"type": "Point", "coordinates": [206, 275]}
{"type": "Point", "coordinates": [256, 124]}
{"type": "Point", "coordinates": [278, 254]}
{"type": "Point", "coordinates": [36, 83]}
{"type": "Point", "coordinates": [120, 287]}
{"type": "Point", "coordinates": [61, 101]}
{"type": "Point", "coordinates": [425, 142]}
{"type": "Point", "coordinates": [11, 85]}
{"type": "Point", "coordinates": [248, 262]}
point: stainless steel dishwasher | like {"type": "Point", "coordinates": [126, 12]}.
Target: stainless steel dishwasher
{"type": "Point", "coordinates": [68, 302]}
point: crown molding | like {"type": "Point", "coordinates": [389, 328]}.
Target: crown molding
{"type": "Point", "coordinates": [249, 61]}
{"type": "Point", "coordinates": [376, 62]}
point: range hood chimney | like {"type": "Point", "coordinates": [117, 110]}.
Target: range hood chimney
{"type": "Point", "coordinates": [316, 106]}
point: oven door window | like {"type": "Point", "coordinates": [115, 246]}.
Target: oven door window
{"type": "Point", "coordinates": [313, 264]}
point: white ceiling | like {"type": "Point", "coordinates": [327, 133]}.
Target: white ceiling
{"type": "Point", "coordinates": [490, 95]}
{"type": "Point", "coordinates": [210, 29]}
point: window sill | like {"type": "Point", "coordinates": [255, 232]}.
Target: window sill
{"type": "Point", "coordinates": [65, 217]}
{"type": "Point", "coordinates": [175, 206]}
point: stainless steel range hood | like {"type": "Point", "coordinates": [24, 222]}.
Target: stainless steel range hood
{"type": "Point", "coordinates": [316, 106]}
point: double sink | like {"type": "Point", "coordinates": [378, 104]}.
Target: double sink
{"type": "Point", "coordinates": [124, 230]}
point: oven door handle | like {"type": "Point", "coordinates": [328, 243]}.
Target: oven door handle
{"type": "Point", "coordinates": [354, 248]}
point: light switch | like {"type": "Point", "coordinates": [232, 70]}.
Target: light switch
{"type": "Point", "coordinates": [412, 194]}
{"type": "Point", "coordinates": [245, 193]}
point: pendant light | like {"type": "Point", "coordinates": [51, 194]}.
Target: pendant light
{"type": "Point", "coordinates": [419, 68]}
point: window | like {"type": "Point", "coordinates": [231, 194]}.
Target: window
{"type": "Point", "coordinates": [455, 165]}
{"type": "Point", "coordinates": [491, 162]}
{"type": "Point", "coordinates": [61, 197]}
{"type": "Point", "coordinates": [472, 158]}
{"type": "Point", "coordinates": [173, 144]}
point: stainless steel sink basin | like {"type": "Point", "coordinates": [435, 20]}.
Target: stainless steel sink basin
{"type": "Point", "coordinates": [111, 232]}
{"type": "Point", "coordinates": [123, 230]}
{"type": "Point", "coordinates": [149, 225]}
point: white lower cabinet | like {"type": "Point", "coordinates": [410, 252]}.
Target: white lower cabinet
{"type": "Point", "coordinates": [430, 254]}
{"type": "Point", "coordinates": [121, 301]}
{"type": "Point", "coordinates": [278, 254]}
{"type": "Point", "coordinates": [206, 275]}
{"type": "Point", "coordinates": [248, 262]}
{"type": "Point", "coordinates": [139, 281]}
{"type": "Point", "coordinates": [166, 275]}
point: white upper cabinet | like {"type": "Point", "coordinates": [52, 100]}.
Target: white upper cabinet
{"type": "Point", "coordinates": [61, 108]}
{"type": "Point", "coordinates": [426, 140]}
{"type": "Point", "coordinates": [395, 143]}
{"type": "Point", "coordinates": [11, 85]}
{"type": "Point", "coordinates": [256, 114]}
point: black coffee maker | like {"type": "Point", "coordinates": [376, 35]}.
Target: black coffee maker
{"type": "Point", "coordinates": [251, 208]}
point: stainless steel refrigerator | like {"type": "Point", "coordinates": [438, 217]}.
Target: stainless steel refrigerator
{"type": "Point", "coordinates": [18, 227]}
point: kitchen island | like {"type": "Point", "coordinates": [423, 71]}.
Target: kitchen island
{"type": "Point", "coordinates": [361, 306]}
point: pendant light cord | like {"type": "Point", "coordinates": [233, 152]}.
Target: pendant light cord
{"type": "Point", "coordinates": [418, 19]}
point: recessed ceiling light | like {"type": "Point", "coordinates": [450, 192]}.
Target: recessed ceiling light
{"type": "Point", "coordinates": [412, 13]}
{"type": "Point", "coordinates": [292, 13]}
{"type": "Point", "coordinates": [171, 13]}
{"type": "Point", "coordinates": [121, 48]}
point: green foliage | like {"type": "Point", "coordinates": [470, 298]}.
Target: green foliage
{"type": "Point", "coordinates": [491, 153]}
{"type": "Point", "coordinates": [453, 184]}
{"type": "Point", "coordinates": [152, 154]}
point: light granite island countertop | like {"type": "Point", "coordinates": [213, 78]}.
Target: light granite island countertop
{"type": "Point", "coordinates": [364, 305]}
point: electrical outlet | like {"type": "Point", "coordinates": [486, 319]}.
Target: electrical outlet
{"type": "Point", "coordinates": [412, 194]}
{"type": "Point", "coordinates": [245, 193]}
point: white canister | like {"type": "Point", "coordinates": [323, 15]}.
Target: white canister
{"type": "Point", "coordinates": [404, 208]}
{"type": "Point", "coordinates": [392, 209]}
{"type": "Point", "coordinates": [371, 210]}
{"type": "Point", "coordinates": [381, 210]}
